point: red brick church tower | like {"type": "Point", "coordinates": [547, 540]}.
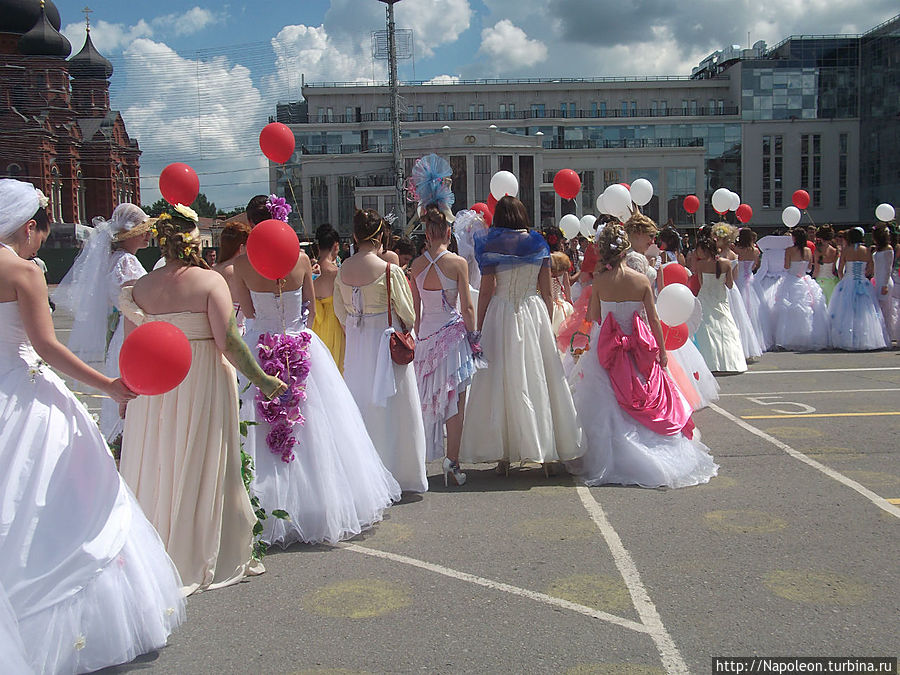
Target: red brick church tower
{"type": "Point", "coordinates": [56, 127]}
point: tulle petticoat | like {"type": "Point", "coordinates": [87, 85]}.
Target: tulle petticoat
{"type": "Point", "coordinates": [800, 315]}
{"type": "Point", "coordinates": [618, 450]}
{"type": "Point", "coordinates": [444, 368]}
{"type": "Point", "coordinates": [336, 486]}
{"type": "Point", "coordinates": [747, 330]}
{"type": "Point", "coordinates": [87, 578]}
{"type": "Point", "coordinates": [857, 323]}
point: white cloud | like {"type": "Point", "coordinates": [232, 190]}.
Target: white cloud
{"type": "Point", "coordinates": [509, 47]}
{"type": "Point", "coordinates": [205, 113]}
{"type": "Point", "coordinates": [192, 21]}
{"type": "Point", "coordinates": [107, 37]}
{"type": "Point", "coordinates": [444, 79]}
{"type": "Point", "coordinates": [434, 22]}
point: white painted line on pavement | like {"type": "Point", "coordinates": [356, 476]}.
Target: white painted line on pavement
{"type": "Point", "coordinates": [671, 657]}
{"type": "Point", "coordinates": [879, 501]}
{"type": "Point", "coordinates": [818, 391]}
{"type": "Point", "coordinates": [498, 586]}
{"type": "Point", "coordinates": [813, 370]}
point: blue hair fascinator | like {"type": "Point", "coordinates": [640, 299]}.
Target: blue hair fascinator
{"type": "Point", "coordinates": [430, 182]}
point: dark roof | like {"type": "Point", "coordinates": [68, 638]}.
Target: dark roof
{"type": "Point", "coordinates": [89, 62]}
{"type": "Point", "coordinates": [19, 16]}
{"type": "Point", "coordinates": [91, 125]}
{"type": "Point", "coordinates": [44, 39]}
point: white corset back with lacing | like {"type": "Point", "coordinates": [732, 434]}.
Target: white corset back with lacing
{"type": "Point", "coordinates": [268, 310]}
{"type": "Point", "coordinates": [623, 312]}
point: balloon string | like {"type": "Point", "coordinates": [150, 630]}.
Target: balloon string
{"type": "Point", "coordinates": [296, 206]}
{"type": "Point", "coordinates": [810, 217]}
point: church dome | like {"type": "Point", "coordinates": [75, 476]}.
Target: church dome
{"type": "Point", "coordinates": [19, 16]}
{"type": "Point", "coordinates": [89, 62]}
{"type": "Point", "coordinates": [44, 39]}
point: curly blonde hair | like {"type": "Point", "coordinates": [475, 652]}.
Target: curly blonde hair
{"type": "Point", "coordinates": [726, 231]}
{"type": "Point", "coordinates": [612, 245]}
{"type": "Point", "coordinates": [638, 223]}
{"type": "Point", "coordinates": [177, 241]}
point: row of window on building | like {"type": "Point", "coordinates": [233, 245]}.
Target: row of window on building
{"type": "Point", "coordinates": [810, 169]}
{"type": "Point", "coordinates": [658, 108]}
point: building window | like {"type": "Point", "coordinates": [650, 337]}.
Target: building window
{"type": "Point", "coordinates": [624, 108]}
{"type": "Point", "coordinates": [482, 176]}
{"type": "Point", "coordinates": [503, 111]}
{"type": "Point", "coordinates": [563, 109]}
{"type": "Point", "coordinates": [481, 111]}
{"type": "Point", "coordinates": [693, 109]}
{"type": "Point", "coordinates": [346, 203]}
{"type": "Point", "coordinates": [634, 108]}
{"type": "Point", "coordinates": [450, 113]}
{"type": "Point", "coordinates": [318, 192]}
{"type": "Point", "coordinates": [369, 202]}
{"type": "Point", "coordinates": [329, 114]}
{"type": "Point", "coordinates": [526, 184]}
{"type": "Point", "coordinates": [602, 108]}
{"type": "Point", "coordinates": [348, 114]}
{"type": "Point", "coordinates": [593, 109]}
{"type": "Point", "coordinates": [663, 107]}
{"type": "Point", "coordinates": [383, 114]}
{"type": "Point", "coordinates": [587, 192]}
{"type": "Point", "coordinates": [548, 208]}
{"type": "Point", "coordinates": [420, 112]}
{"type": "Point", "coordinates": [772, 166]}
{"type": "Point", "coordinates": [512, 110]}
{"type": "Point", "coordinates": [721, 106]}
{"type": "Point", "coordinates": [811, 166]}
{"type": "Point", "coordinates": [842, 170]}
{"type": "Point", "coordinates": [712, 107]}
{"type": "Point", "coordinates": [460, 180]}
{"type": "Point", "coordinates": [320, 115]}
{"type": "Point", "coordinates": [654, 107]}
{"type": "Point", "coordinates": [685, 106]}
{"type": "Point", "coordinates": [442, 112]}
{"type": "Point", "coordinates": [538, 110]}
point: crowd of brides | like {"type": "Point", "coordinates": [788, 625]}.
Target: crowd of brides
{"type": "Point", "coordinates": [495, 344]}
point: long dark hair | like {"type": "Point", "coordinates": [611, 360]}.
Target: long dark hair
{"type": "Point", "coordinates": [799, 235]}
{"type": "Point", "coordinates": [511, 214]}
{"type": "Point", "coordinates": [708, 246]}
{"type": "Point", "coordinates": [881, 238]}
{"type": "Point", "coordinates": [326, 238]}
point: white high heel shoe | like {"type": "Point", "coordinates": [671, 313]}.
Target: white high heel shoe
{"type": "Point", "coordinates": [452, 469]}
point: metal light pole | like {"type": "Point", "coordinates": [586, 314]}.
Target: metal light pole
{"type": "Point", "coordinates": [395, 108]}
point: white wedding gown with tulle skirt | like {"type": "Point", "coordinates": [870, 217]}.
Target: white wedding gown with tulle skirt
{"type": "Point", "coordinates": [336, 486]}
{"type": "Point", "coordinates": [800, 314]}
{"type": "Point", "coordinates": [87, 578]}
{"type": "Point", "coordinates": [520, 407]}
{"type": "Point", "coordinates": [717, 337]}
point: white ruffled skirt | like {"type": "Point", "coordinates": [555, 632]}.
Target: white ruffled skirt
{"type": "Point", "coordinates": [747, 330]}
{"type": "Point", "coordinates": [87, 577]}
{"type": "Point", "coordinates": [801, 315]}
{"type": "Point", "coordinates": [857, 323]}
{"type": "Point", "coordinates": [336, 486]}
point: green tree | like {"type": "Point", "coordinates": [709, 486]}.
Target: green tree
{"type": "Point", "coordinates": [201, 205]}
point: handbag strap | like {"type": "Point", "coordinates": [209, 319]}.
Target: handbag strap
{"type": "Point", "coordinates": [387, 281]}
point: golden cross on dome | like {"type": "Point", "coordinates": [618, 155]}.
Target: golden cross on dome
{"type": "Point", "coordinates": [87, 11]}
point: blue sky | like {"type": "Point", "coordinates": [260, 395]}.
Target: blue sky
{"type": "Point", "coordinates": [195, 81]}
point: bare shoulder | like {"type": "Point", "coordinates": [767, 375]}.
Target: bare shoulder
{"type": "Point", "coordinates": [391, 257]}
{"type": "Point", "coordinates": [417, 265]}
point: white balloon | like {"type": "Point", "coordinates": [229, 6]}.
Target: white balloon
{"type": "Point", "coordinates": [721, 200]}
{"type": "Point", "coordinates": [641, 191]}
{"type": "Point", "coordinates": [569, 224]}
{"type": "Point", "coordinates": [601, 204]}
{"type": "Point", "coordinates": [617, 199]}
{"type": "Point", "coordinates": [586, 225]}
{"type": "Point", "coordinates": [735, 201]}
{"type": "Point", "coordinates": [884, 213]}
{"type": "Point", "coordinates": [504, 183]}
{"type": "Point", "coordinates": [674, 304]}
{"type": "Point", "coordinates": [790, 216]}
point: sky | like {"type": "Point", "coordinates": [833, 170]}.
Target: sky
{"type": "Point", "coordinates": [195, 81]}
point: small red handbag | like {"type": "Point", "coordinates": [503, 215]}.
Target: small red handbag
{"type": "Point", "coordinates": [403, 344]}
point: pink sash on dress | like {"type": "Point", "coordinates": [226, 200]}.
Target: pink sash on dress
{"type": "Point", "coordinates": [643, 389]}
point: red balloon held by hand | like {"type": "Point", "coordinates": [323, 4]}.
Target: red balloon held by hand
{"type": "Point", "coordinates": [482, 208]}
{"type": "Point", "coordinates": [179, 184]}
{"type": "Point", "coordinates": [801, 199]}
{"type": "Point", "coordinates": [491, 203]}
{"type": "Point", "coordinates": [155, 358]}
{"type": "Point", "coordinates": [273, 249]}
{"type": "Point", "coordinates": [744, 213]}
{"type": "Point", "coordinates": [566, 183]}
{"type": "Point", "coordinates": [674, 273]}
{"type": "Point", "coordinates": [691, 203]}
{"type": "Point", "coordinates": [675, 336]}
{"type": "Point", "coordinates": [277, 142]}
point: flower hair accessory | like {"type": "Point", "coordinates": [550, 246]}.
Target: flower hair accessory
{"type": "Point", "coordinates": [278, 208]}
{"type": "Point", "coordinates": [42, 199]}
{"type": "Point", "coordinates": [186, 212]}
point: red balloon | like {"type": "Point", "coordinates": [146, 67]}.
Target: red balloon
{"type": "Point", "coordinates": [691, 204]}
{"type": "Point", "coordinates": [744, 213]}
{"type": "Point", "coordinates": [179, 184]}
{"type": "Point", "coordinates": [674, 273]}
{"type": "Point", "coordinates": [628, 185]}
{"type": "Point", "coordinates": [273, 249]}
{"type": "Point", "coordinates": [566, 183]}
{"type": "Point", "coordinates": [694, 284]}
{"type": "Point", "coordinates": [155, 358]}
{"type": "Point", "coordinates": [801, 199]}
{"type": "Point", "coordinates": [491, 203]}
{"type": "Point", "coordinates": [675, 336]}
{"type": "Point", "coordinates": [485, 212]}
{"type": "Point", "coordinates": [277, 141]}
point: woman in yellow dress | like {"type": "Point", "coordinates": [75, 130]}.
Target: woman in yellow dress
{"type": "Point", "coordinates": [326, 324]}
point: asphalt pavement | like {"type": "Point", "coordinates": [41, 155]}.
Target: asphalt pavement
{"type": "Point", "coordinates": [790, 551]}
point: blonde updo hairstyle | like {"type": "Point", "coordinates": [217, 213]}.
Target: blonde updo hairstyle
{"type": "Point", "coordinates": [177, 240]}
{"type": "Point", "coordinates": [368, 225]}
{"type": "Point", "coordinates": [725, 231]}
{"type": "Point", "coordinates": [638, 223]}
{"type": "Point", "coordinates": [613, 245]}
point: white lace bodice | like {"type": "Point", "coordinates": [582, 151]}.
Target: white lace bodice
{"type": "Point", "coordinates": [713, 288]}
{"type": "Point", "coordinates": [744, 271]}
{"type": "Point", "coordinates": [826, 270]}
{"type": "Point", "coordinates": [884, 262]}
{"type": "Point", "coordinates": [268, 309]}
{"type": "Point", "coordinates": [517, 282]}
{"type": "Point", "coordinates": [15, 347]}
{"type": "Point", "coordinates": [623, 312]}
{"type": "Point", "coordinates": [799, 267]}
{"type": "Point", "coordinates": [124, 268]}
{"type": "Point", "coordinates": [855, 269]}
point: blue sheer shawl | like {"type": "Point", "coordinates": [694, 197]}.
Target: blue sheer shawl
{"type": "Point", "coordinates": [499, 246]}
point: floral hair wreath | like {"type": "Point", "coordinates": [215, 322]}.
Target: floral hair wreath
{"type": "Point", "coordinates": [278, 208]}
{"type": "Point", "coordinates": [725, 231]}
{"type": "Point", "coordinates": [189, 238]}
